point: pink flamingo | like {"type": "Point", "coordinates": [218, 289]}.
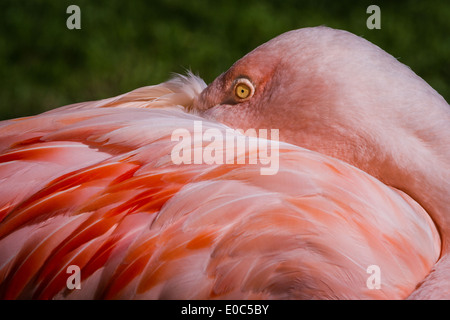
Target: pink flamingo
{"type": "Point", "coordinates": [362, 180]}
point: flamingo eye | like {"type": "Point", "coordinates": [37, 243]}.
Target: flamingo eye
{"type": "Point", "coordinates": [243, 89]}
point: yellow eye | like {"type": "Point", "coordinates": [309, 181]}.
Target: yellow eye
{"type": "Point", "coordinates": [243, 89]}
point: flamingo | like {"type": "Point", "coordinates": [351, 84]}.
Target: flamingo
{"type": "Point", "coordinates": [362, 180]}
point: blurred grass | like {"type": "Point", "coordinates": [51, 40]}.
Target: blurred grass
{"type": "Point", "coordinates": [128, 44]}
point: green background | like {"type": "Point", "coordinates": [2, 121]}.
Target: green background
{"type": "Point", "coordinates": [128, 44]}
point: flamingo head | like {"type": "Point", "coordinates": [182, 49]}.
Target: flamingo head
{"type": "Point", "coordinates": [333, 92]}
{"type": "Point", "coordinates": [336, 93]}
{"type": "Point", "coordinates": [316, 85]}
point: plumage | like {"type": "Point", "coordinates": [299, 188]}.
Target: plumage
{"type": "Point", "coordinates": [94, 185]}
